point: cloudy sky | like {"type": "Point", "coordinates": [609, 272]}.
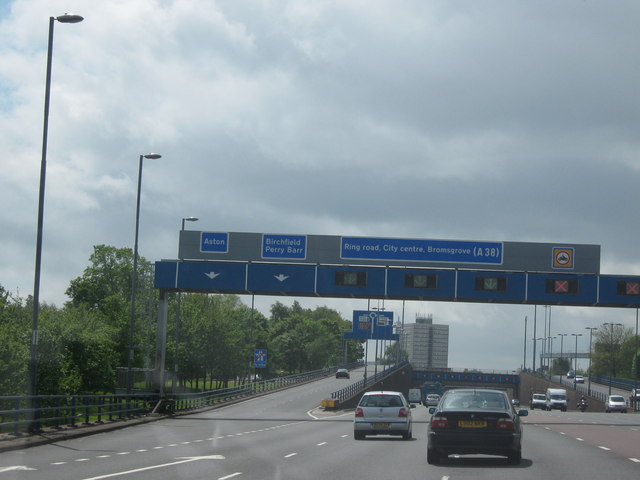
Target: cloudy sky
{"type": "Point", "coordinates": [497, 120]}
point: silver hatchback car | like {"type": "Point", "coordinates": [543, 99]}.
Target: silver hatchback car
{"type": "Point", "coordinates": [382, 413]}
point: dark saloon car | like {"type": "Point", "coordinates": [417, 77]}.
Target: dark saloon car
{"type": "Point", "coordinates": [475, 421]}
{"type": "Point", "coordinates": [342, 373]}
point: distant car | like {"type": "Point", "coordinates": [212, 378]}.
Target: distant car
{"type": "Point", "coordinates": [615, 403]}
{"type": "Point", "coordinates": [475, 421]}
{"type": "Point", "coordinates": [515, 402]}
{"type": "Point", "coordinates": [538, 400]}
{"type": "Point", "coordinates": [431, 400]}
{"type": "Point", "coordinates": [342, 373]}
{"type": "Point", "coordinates": [579, 379]}
{"type": "Point", "coordinates": [382, 413]}
{"type": "Point", "coordinates": [571, 374]}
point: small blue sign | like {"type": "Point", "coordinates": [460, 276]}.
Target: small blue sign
{"type": "Point", "coordinates": [372, 325]}
{"type": "Point", "coordinates": [284, 246]}
{"type": "Point", "coordinates": [450, 251]}
{"type": "Point", "coordinates": [260, 358]}
{"type": "Point", "coordinates": [214, 242]}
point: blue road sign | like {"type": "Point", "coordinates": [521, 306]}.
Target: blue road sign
{"type": "Point", "coordinates": [284, 246]}
{"type": "Point", "coordinates": [450, 251]}
{"type": "Point", "coordinates": [372, 325]}
{"type": "Point", "coordinates": [260, 358]}
{"type": "Point", "coordinates": [399, 283]}
{"type": "Point", "coordinates": [214, 242]}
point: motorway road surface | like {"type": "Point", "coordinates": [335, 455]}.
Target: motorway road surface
{"type": "Point", "coordinates": [285, 435]}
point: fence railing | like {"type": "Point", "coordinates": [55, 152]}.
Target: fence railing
{"type": "Point", "coordinates": [353, 389]}
{"type": "Point", "coordinates": [21, 414]}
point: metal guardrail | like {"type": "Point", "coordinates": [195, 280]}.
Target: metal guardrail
{"type": "Point", "coordinates": [19, 414]}
{"type": "Point", "coordinates": [189, 401]}
{"type": "Point", "coordinates": [353, 389]}
{"type": "Point", "coordinates": [22, 414]}
{"type": "Point", "coordinates": [603, 380]}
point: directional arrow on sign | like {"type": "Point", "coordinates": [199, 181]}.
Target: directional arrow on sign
{"type": "Point", "coordinates": [212, 275]}
{"type": "Point", "coordinates": [282, 277]}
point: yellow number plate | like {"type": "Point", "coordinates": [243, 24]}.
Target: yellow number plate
{"type": "Point", "coordinates": [380, 425]}
{"type": "Point", "coordinates": [472, 424]}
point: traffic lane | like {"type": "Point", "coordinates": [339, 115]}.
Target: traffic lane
{"type": "Point", "coordinates": [168, 440]}
{"type": "Point", "coordinates": [615, 432]}
{"type": "Point", "coordinates": [556, 456]}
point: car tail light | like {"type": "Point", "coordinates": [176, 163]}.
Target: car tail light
{"type": "Point", "coordinates": [505, 424]}
{"type": "Point", "coordinates": [439, 422]}
{"type": "Point", "coordinates": [404, 412]}
{"type": "Point", "coordinates": [359, 412]}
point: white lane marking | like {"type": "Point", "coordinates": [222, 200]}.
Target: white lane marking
{"type": "Point", "coordinates": [579, 439]}
{"type": "Point", "coordinates": [81, 460]}
{"type": "Point", "coordinates": [55, 463]}
{"type": "Point", "coordinates": [635, 460]}
{"type": "Point", "coordinates": [321, 443]}
{"type": "Point", "coordinates": [290, 455]}
{"type": "Point", "coordinates": [153, 467]}
{"type": "Point", "coordinates": [15, 467]}
{"type": "Point", "coordinates": [604, 448]}
{"type": "Point", "coordinates": [230, 476]}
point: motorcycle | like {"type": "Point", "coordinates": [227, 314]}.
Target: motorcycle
{"type": "Point", "coordinates": [582, 405]}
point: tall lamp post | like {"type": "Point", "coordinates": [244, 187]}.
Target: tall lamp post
{"type": "Point", "coordinates": [177, 332]}
{"type": "Point", "coordinates": [33, 358]}
{"type": "Point", "coordinates": [562, 335]}
{"type": "Point", "coordinates": [591, 329]}
{"type": "Point", "coordinates": [635, 382]}
{"type": "Point", "coordinates": [611, 359]}
{"type": "Point", "coordinates": [575, 355]}
{"type": "Point", "coordinates": [550, 361]}
{"type": "Point", "coordinates": [134, 279]}
{"type": "Point", "coordinates": [541, 353]}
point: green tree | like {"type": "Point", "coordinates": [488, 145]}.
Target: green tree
{"type": "Point", "coordinates": [15, 335]}
{"type": "Point", "coordinates": [105, 287]}
{"type": "Point", "coordinates": [608, 356]}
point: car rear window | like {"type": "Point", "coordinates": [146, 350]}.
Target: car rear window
{"type": "Point", "coordinates": [381, 401]}
{"type": "Point", "coordinates": [480, 400]}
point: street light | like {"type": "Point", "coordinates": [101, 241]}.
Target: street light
{"type": "Point", "coordinates": [591, 329]}
{"type": "Point", "coordinates": [550, 356]}
{"type": "Point", "coordinates": [535, 340]}
{"type": "Point", "coordinates": [134, 280]}
{"type": "Point", "coordinates": [562, 335]}
{"type": "Point", "coordinates": [33, 358]}
{"type": "Point", "coordinates": [177, 332]}
{"type": "Point", "coordinates": [611, 360]}
{"type": "Point", "coordinates": [575, 355]}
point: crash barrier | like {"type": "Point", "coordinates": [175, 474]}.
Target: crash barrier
{"type": "Point", "coordinates": [353, 389]}
{"type": "Point", "coordinates": [32, 413]}
{"type": "Point", "coordinates": [19, 414]}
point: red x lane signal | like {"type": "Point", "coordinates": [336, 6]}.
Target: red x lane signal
{"type": "Point", "coordinates": [632, 288]}
{"type": "Point", "coordinates": [561, 286]}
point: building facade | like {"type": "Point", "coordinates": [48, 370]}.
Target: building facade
{"type": "Point", "coordinates": [426, 343]}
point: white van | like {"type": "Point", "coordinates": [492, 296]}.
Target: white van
{"type": "Point", "coordinates": [556, 399]}
{"type": "Point", "coordinates": [415, 395]}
